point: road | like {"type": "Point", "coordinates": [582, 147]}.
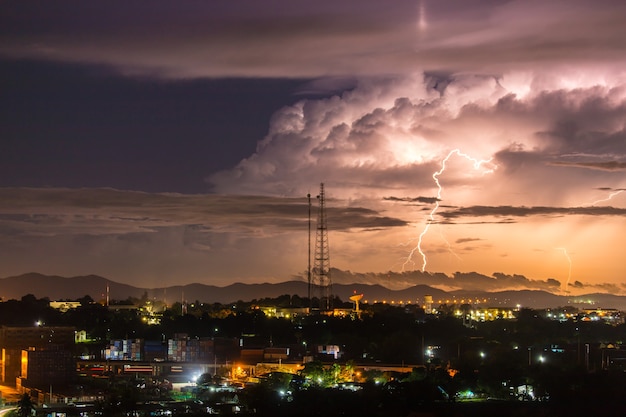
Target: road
{"type": "Point", "coordinates": [6, 411]}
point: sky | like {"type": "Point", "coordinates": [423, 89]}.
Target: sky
{"type": "Point", "coordinates": [463, 144]}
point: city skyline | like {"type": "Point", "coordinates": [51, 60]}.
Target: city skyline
{"type": "Point", "coordinates": [161, 144]}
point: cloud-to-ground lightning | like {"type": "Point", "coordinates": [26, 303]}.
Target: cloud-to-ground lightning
{"type": "Point", "coordinates": [569, 260]}
{"type": "Point", "coordinates": [431, 216]}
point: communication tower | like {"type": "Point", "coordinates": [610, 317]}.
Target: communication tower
{"type": "Point", "coordinates": [308, 196]}
{"type": "Point", "coordinates": [321, 267]}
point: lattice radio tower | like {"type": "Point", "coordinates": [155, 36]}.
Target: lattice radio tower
{"type": "Point", "coordinates": [321, 266]}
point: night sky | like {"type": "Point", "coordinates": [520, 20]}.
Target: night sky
{"type": "Point", "coordinates": [463, 144]}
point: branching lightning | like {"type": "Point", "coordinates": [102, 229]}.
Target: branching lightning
{"type": "Point", "coordinates": [613, 194]}
{"type": "Point", "coordinates": [569, 260]}
{"type": "Point", "coordinates": [431, 216]}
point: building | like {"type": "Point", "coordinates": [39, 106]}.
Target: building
{"type": "Point", "coordinates": [14, 340]}
{"type": "Point", "coordinates": [330, 350]}
{"type": "Point", "coordinates": [64, 306]}
{"type": "Point", "coordinates": [285, 312]}
{"type": "Point", "coordinates": [45, 367]}
{"type": "Point", "coordinates": [607, 315]}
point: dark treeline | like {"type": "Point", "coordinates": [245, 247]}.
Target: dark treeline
{"type": "Point", "coordinates": [387, 333]}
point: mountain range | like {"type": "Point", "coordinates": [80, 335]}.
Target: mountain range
{"type": "Point", "coordinates": [72, 288]}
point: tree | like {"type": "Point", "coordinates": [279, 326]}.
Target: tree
{"type": "Point", "coordinates": [25, 406]}
{"type": "Point", "coordinates": [85, 300]}
{"type": "Point", "coordinates": [314, 371]}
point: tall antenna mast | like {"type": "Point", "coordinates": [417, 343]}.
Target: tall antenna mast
{"type": "Point", "coordinates": [321, 269]}
{"type": "Point", "coordinates": [308, 196]}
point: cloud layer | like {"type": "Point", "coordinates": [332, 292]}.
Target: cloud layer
{"type": "Point", "coordinates": [484, 136]}
{"type": "Point", "coordinates": [387, 137]}
{"type": "Point", "coordinates": [207, 230]}
{"type": "Point", "coordinates": [547, 162]}
{"type": "Point", "coordinates": [281, 38]}
{"type": "Point", "coordinates": [163, 237]}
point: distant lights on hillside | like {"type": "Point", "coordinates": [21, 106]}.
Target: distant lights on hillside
{"type": "Point", "coordinates": [581, 301]}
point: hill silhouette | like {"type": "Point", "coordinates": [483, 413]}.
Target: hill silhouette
{"type": "Point", "coordinates": [63, 288]}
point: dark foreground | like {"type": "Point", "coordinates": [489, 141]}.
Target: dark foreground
{"type": "Point", "coordinates": [468, 409]}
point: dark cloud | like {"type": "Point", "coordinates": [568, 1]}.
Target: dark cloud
{"type": "Point", "coordinates": [113, 211]}
{"type": "Point", "coordinates": [604, 166]}
{"type": "Point", "coordinates": [162, 236]}
{"type": "Point", "coordinates": [469, 281]}
{"type": "Point", "coordinates": [499, 211]}
{"type": "Point", "coordinates": [467, 239]}
{"type": "Point", "coordinates": [283, 38]}
{"type": "Point", "coordinates": [609, 288]}
{"type": "Point", "coordinates": [522, 281]}
{"type": "Point", "coordinates": [553, 283]}
{"type": "Point", "coordinates": [425, 200]}
{"type": "Point", "coordinates": [499, 281]}
{"type": "Point", "coordinates": [351, 217]}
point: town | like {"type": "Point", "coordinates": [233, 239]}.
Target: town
{"type": "Point", "coordinates": [279, 356]}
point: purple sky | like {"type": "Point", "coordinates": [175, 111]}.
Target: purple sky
{"type": "Point", "coordinates": [159, 142]}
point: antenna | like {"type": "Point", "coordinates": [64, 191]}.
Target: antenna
{"type": "Point", "coordinates": [356, 298]}
{"type": "Point", "coordinates": [308, 196]}
{"type": "Point", "coordinates": [321, 269]}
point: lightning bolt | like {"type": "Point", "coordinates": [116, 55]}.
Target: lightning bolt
{"type": "Point", "coordinates": [452, 252]}
{"type": "Point", "coordinates": [569, 260]}
{"type": "Point", "coordinates": [431, 216]}
{"type": "Point", "coordinates": [613, 194]}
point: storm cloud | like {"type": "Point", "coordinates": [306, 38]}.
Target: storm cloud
{"type": "Point", "coordinates": [455, 137]}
